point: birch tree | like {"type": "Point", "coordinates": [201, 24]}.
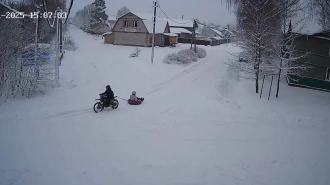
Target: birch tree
{"type": "Point", "coordinates": [322, 11]}
{"type": "Point", "coordinates": [261, 27]}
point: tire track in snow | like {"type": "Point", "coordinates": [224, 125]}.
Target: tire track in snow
{"type": "Point", "coordinates": [177, 76]}
{"type": "Point", "coordinates": [69, 113]}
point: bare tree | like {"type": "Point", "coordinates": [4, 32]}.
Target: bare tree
{"type": "Point", "coordinates": [257, 22]}
{"type": "Point", "coordinates": [321, 8]}
{"type": "Point", "coordinates": [261, 26]}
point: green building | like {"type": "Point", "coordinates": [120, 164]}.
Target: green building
{"type": "Point", "coordinates": [317, 49]}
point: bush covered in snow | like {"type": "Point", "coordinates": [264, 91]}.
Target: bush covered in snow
{"type": "Point", "coordinates": [201, 52]}
{"type": "Point", "coordinates": [185, 57]}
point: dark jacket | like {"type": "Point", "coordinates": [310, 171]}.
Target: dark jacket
{"type": "Point", "coordinates": [109, 93]}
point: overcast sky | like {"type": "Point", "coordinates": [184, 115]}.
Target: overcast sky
{"type": "Point", "coordinates": [205, 10]}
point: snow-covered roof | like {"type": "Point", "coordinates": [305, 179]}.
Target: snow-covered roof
{"type": "Point", "coordinates": [107, 33]}
{"type": "Point", "coordinates": [217, 32]}
{"type": "Point", "coordinates": [171, 34]}
{"type": "Point", "coordinates": [159, 28]}
{"type": "Point", "coordinates": [144, 16]}
{"type": "Point", "coordinates": [230, 32]}
{"type": "Point", "coordinates": [217, 38]}
{"type": "Point", "coordinates": [179, 30]}
{"type": "Point", "coordinates": [325, 38]}
{"type": "Point", "coordinates": [171, 22]}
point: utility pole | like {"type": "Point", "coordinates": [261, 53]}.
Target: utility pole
{"type": "Point", "coordinates": [228, 37]}
{"type": "Point", "coordinates": [194, 32]}
{"type": "Point", "coordinates": [153, 33]}
{"type": "Point", "coordinates": [61, 36]}
{"type": "Point", "coordinates": [57, 59]}
{"type": "Point", "coordinates": [36, 38]}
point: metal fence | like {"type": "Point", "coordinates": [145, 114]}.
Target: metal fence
{"type": "Point", "coordinates": [203, 42]}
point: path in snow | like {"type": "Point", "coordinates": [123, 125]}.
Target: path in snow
{"type": "Point", "coordinates": [186, 131]}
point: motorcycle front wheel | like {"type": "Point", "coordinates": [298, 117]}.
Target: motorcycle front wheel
{"type": "Point", "coordinates": [98, 107]}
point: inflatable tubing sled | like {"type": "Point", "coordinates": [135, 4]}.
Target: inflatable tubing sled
{"type": "Point", "coordinates": [138, 102]}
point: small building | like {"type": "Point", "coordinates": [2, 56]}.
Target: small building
{"type": "Point", "coordinates": [170, 39]}
{"type": "Point", "coordinates": [181, 32]}
{"type": "Point", "coordinates": [108, 38]}
{"type": "Point", "coordinates": [135, 29]}
{"type": "Point", "coordinates": [317, 48]}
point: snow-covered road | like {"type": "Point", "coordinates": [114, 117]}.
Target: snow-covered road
{"type": "Point", "coordinates": [196, 126]}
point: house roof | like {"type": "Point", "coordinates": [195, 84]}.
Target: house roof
{"type": "Point", "coordinates": [107, 33]}
{"type": "Point", "coordinates": [217, 32]}
{"type": "Point", "coordinates": [159, 28]}
{"type": "Point", "coordinates": [217, 38]}
{"type": "Point", "coordinates": [325, 38]}
{"type": "Point", "coordinates": [179, 30]}
{"type": "Point", "coordinates": [171, 34]}
{"type": "Point", "coordinates": [171, 22]}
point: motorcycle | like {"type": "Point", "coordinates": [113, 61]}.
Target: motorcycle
{"type": "Point", "coordinates": [104, 103]}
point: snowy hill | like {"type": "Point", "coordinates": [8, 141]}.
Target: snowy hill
{"type": "Point", "coordinates": [197, 125]}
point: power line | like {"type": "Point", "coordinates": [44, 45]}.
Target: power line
{"type": "Point", "coordinates": [67, 16]}
{"type": "Point", "coordinates": [170, 18]}
{"type": "Point", "coordinates": [45, 9]}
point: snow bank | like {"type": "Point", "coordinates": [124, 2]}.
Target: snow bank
{"type": "Point", "coordinates": [185, 57]}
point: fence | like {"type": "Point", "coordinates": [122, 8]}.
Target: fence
{"type": "Point", "coordinates": [203, 42]}
{"type": "Point", "coordinates": [198, 42]}
{"type": "Point", "coordinates": [218, 42]}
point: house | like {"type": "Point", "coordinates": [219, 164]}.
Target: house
{"type": "Point", "coordinates": [136, 29]}
{"type": "Point", "coordinates": [181, 32]}
{"type": "Point", "coordinates": [181, 23]}
{"type": "Point", "coordinates": [317, 48]}
{"type": "Point", "coordinates": [183, 28]}
{"type": "Point", "coordinates": [227, 34]}
{"type": "Point", "coordinates": [209, 32]}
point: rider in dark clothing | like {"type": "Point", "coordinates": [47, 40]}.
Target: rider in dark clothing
{"type": "Point", "coordinates": [108, 92]}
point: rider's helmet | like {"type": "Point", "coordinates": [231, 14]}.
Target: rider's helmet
{"type": "Point", "coordinates": [133, 93]}
{"type": "Point", "coordinates": [107, 87]}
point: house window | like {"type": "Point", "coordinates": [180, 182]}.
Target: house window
{"type": "Point", "coordinates": [135, 24]}
{"type": "Point", "coordinates": [125, 23]}
{"type": "Point", "coordinates": [328, 75]}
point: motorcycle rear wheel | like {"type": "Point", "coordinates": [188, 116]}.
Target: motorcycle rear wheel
{"type": "Point", "coordinates": [115, 104]}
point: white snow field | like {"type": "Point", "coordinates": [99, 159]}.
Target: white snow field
{"type": "Point", "coordinates": [197, 125]}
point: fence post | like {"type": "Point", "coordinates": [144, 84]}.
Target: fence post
{"type": "Point", "coordinates": [271, 83]}
{"type": "Point", "coordinates": [262, 86]}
